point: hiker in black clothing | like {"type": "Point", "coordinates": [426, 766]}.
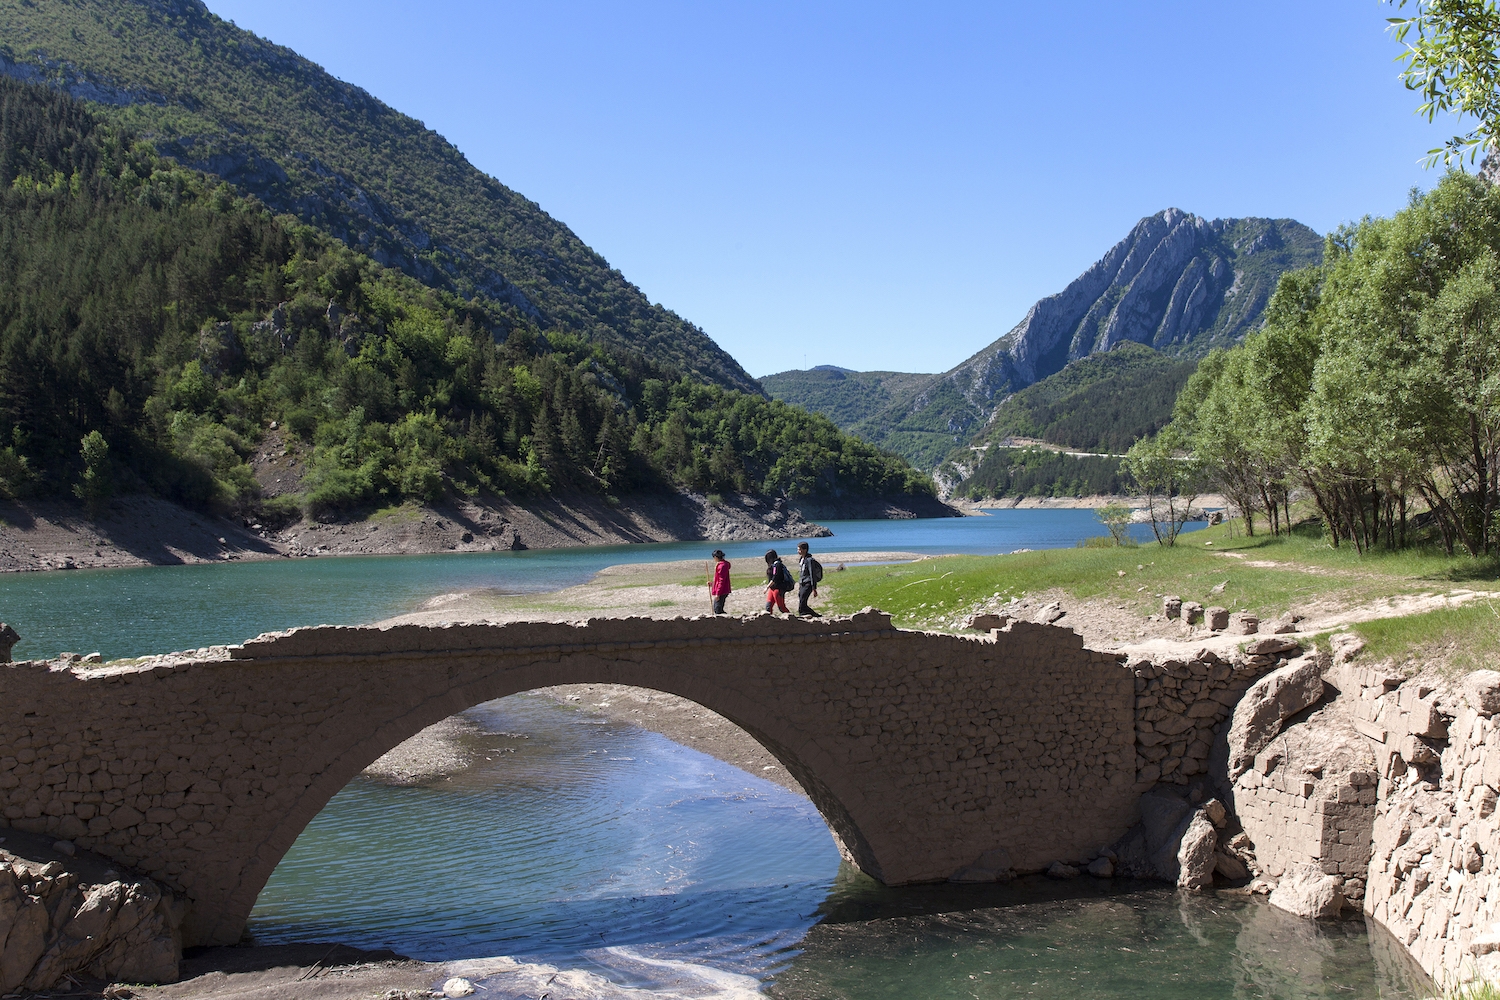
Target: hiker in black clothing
{"type": "Point", "coordinates": [778, 582]}
{"type": "Point", "coordinates": [809, 573]}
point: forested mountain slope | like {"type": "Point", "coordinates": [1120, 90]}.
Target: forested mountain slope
{"type": "Point", "coordinates": [843, 396]}
{"type": "Point", "coordinates": [153, 324]}
{"type": "Point", "coordinates": [275, 125]}
{"type": "Point", "coordinates": [1177, 283]}
{"type": "Point", "coordinates": [1103, 403]}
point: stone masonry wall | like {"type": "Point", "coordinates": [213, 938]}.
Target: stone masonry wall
{"type": "Point", "coordinates": [1435, 870]}
{"type": "Point", "coordinates": [1181, 706]}
{"type": "Point", "coordinates": [1296, 818]}
{"type": "Point", "coordinates": [924, 752]}
{"type": "Point", "coordinates": [1390, 789]}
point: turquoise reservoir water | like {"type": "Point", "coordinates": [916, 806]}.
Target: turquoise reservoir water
{"type": "Point", "coordinates": [157, 609]}
{"type": "Point", "coordinates": [588, 844]}
{"type": "Point", "coordinates": [595, 845]}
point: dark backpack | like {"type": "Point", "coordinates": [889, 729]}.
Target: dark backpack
{"type": "Point", "coordinates": [781, 576]}
{"type": "Point", "coordinates": [817, 571]}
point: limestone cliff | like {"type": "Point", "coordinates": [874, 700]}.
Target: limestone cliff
{"type": "Point", "coordinates": [1178, 283]}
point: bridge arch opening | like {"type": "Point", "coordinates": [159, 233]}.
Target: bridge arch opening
{"type": "Point", "coordinates": [557, 818]}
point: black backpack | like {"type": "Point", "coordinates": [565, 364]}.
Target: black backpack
{"type": "Point", "coordinates": [817, 571]}
{"type": "Point", "coordinates": [783, 576]}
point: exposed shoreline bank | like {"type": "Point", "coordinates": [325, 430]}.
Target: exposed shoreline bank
{"type": "Point", "coordinates": [1208, 501]}
{"type": "Point", "coordinates": [146, 531]}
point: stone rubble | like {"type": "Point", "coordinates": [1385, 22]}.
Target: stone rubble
{"type": "Point", "coordinates": [1197, 853]}
{"type": "Point", "coordinates": [1307, 891]}
{"type": "Point", "coordinates": [82, 917]}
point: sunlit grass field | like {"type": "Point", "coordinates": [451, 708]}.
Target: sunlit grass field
{"type": "Point", "coordinates": [1216, 566]}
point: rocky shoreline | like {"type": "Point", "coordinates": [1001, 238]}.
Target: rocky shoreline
{"type": "Point", "coordinates": [1209, 501]}
{"type": "Point", "coordinates": [147, 531]}
{"type": "Point", "coordinates": [434, 753]}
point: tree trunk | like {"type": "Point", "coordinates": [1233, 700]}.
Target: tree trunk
{"type": "Point", "coordinates": [1322, 504]}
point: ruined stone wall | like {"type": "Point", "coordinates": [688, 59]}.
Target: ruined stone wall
{"type": "Point", "coordinates": [1386, 793]}
{"type": "Point", "coordinates": [1435, 871]}
{"type": "Point", "coordinates": [1181, 706]}
{"type": "Point", "coordinates": [924, 752]}
{"type": "Point", "coordinates": [1296, 817]}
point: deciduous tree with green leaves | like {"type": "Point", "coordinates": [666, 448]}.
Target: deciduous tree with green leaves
{"type": "Point", "coordinates": [1374, 387]}
{"type": "Point", "coordinates": [1169, 476]}
{"type": "Point", "coordinates": [1116, 517]}
{"type": "Point", "coordinates": [1451, 61]}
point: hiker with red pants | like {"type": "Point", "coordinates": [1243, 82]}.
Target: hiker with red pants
{"type": "Point", "coordinates": [778, 582]}
{"type": "Point", "coordinates": [718, 585]}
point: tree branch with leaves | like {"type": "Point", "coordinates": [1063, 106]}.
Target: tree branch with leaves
{"type": "Point", "coordinates": [1451, 61]}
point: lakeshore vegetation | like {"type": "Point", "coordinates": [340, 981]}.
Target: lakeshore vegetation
{"type": "Point", "coordinates": [154, 323]}
{"type": "Point", "coordinates": [1264, 574]}
{"type": "Point", "coordinates": [1373, 390]}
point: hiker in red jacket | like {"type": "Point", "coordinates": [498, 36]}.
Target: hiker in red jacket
{"type": "Point", "coordinates": [718, 584]}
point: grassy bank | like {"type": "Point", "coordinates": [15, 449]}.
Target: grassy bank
{"type": "Point", "coordinates": [1215, 566]}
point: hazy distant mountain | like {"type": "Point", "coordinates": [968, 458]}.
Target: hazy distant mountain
{"type": "Point", "coordinates": [843, 396]}
{"type": "Point", "coordinates": [1177, 283]}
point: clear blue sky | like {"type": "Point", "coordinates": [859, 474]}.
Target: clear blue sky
{"type": "Point", "coordinates": [881, 185]}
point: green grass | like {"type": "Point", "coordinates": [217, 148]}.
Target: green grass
{"type": "Point", "coordinates": [398, 512]}
{"type": "Point", "coordinates": [933, 592]}
{"type": "Point", "coordinates": [1462, 639]}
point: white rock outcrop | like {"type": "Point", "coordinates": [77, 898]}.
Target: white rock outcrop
{"type": "Point", "coordinates": [1196, 858]}
{"type": "Point", "coordinates": [1308, 892]}
{"type": "Point", "coordinates": [82, 918]}
{"type": "Point", "coordinates": [1269, 702]}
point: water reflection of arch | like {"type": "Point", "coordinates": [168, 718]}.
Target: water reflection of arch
{"type": "Point", "coordinates": [747, 682]}
{"type": "Point", "coordinates": [545, 821]}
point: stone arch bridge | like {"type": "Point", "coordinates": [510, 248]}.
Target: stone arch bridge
{"type": "Point", "coordinates": [923, 752]}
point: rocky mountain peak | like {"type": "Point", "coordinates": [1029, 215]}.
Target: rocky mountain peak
{"type": "Point", "coordinates": [1174, 279]}
{"type": "Point", "coordinates": [1178, 283]}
